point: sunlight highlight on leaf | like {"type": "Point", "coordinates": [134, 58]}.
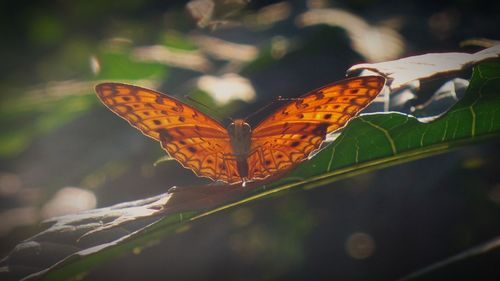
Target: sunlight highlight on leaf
{"type": "Point", "coordinates": [409, 69]}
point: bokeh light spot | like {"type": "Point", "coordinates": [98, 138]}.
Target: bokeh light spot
{"type": "Point", "coordinates": [360, 245]}
{"type": "Point", "coordinates": [69, 200]}
{"type": "Point", "coordinates": [242, 217]}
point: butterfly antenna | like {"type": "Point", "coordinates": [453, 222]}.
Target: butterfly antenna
{"type": "Point", "coordinates": [209, 108]}
{"type": "Point", "coordinates": [280, 98]}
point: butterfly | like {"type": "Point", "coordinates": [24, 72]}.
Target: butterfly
{"type": "Point", "coordinates": [237, 154]}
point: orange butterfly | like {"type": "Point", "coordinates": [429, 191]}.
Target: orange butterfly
{"type": "Point", "coordinates": [238, 154]}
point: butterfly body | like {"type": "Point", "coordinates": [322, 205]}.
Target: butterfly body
{"type": "Point", "coordinates": [238, 154]}
{"type": "Point", "coordinates": [240, 137]}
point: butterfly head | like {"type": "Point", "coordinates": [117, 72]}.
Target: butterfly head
{"type": "Point", "coordinates": [239, 128]}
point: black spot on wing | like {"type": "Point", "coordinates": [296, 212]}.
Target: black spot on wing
{"type": "Point", "coordinates": [114, 91]}
{"type": "Point", "coordinates": [133, 91]}
{"type": "Point", "coordinates": [165, 136]}
{"type": "Point", "coordinates": [159, 100]}
{"type": "Point", "coordinates": [319, 95]}
{"type": "Point", "coordinates": [180, 107]}
{"type": "Point", "coordinates": [320, 130]}
{"type": "Point", "coordinates": [299, 104]}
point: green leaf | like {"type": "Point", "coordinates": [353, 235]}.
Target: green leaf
{"type": "Point", "coordinates": [176, 40]}
{"type": "Point", "coordinates": [369, 142]}
{"type": "Point", "coordinates": [120, 66]}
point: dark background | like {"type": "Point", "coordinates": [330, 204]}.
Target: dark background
{"type": "Point", "coordinates": [415, 214]}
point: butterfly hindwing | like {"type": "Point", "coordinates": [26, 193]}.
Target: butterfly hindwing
{"type": "Point", "coordinates": [282, 148]}
{"type": "Point", "coordinates": [194, 139]}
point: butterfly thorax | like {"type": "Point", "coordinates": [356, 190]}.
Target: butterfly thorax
{"type": "Point", "coordinates": [240, 135]}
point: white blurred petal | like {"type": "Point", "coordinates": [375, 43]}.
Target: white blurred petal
{"type": "Point", "coordinates": [227, 87]}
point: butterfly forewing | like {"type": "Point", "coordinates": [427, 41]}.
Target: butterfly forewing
{"type": "Point", "coordinates": [194, 139]}
{"type": "Point", "coordinates": [290, 134]}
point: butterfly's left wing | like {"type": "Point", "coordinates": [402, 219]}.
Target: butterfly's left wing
{"type": "Point", "coordinates": [290, 134]}
{"type": "Point", "coordinates": [197, 141]}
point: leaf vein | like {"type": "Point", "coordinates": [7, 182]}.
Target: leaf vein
{"type": "Point", "coordinates": [385, 132]}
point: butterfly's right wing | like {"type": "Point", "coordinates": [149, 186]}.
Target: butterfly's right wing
{"type": "Point", "coordinates": [194, 139]}
{"type": "Point", "coordinates": [287, 137]}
